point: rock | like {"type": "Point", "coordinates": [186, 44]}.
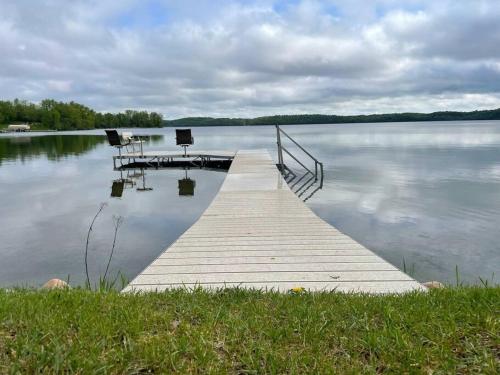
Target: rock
{"type": "Point", "coordinates": [433, 285]}
{"type": "Point", "coordinates": [55, 284]}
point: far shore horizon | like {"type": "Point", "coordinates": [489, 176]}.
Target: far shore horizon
{"type": "Point", "coordinates": [319, 119]}
{"type": "Point", "coordinates": [37, 128]}
{"type": "Point", "coordinates": [52, 115]}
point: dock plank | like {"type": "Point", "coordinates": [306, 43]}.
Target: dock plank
{"type": "Point", "coordinates": [265, 259]}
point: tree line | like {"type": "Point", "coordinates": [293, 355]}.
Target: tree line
{"type": "Point", "coordinates": [51, 114]}
{"type": "Point", "coordinates": [334, 119]}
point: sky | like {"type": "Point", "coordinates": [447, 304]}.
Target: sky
{"type": "Point", "coordinates": [253, 58]}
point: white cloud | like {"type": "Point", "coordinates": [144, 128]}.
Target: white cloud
{"type": "Point", "coordinates": [226, 58]}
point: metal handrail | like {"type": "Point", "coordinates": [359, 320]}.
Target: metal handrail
{"type": "Point", "coordinates": [295, 142]}
{"type": "Point", "coordinates": [297, 160]}
{"type": "Point", "coordinates": [317, 174]}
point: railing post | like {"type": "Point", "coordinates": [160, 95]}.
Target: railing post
{"type": "Point", "coordinates": [280, 151]}
{"type": "Point", "coordinates": [321, 181]}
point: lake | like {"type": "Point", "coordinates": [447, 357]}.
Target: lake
{"type": "Point", "coordinates": [424, 196]}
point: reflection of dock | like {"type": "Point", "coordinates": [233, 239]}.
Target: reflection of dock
{"type": "Point", "coordinates": [258, 234]}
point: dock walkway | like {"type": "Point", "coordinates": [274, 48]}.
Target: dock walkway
{"type": "Point", "coordinates": [258, 234]}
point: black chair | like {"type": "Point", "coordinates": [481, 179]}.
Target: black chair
{"type": "Point", "coordinates": [117, 141]}
{"type": "Point", "coordinates": [114, 139]}
{"type": "Point", "coordinates": [184, 138]}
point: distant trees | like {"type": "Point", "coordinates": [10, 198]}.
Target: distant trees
{"type": "Point", "coordinates": [334, 119]}
{"type": "Point", "coordinates": [67, 116]}
{"type": "Point", "coordinates": [129, 119]}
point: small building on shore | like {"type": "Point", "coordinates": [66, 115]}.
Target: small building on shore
{"type": "Point", "coordinates": [18, 128]}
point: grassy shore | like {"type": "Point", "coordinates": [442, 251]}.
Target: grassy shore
{"type": "Point", "coordinates": [453, 330]}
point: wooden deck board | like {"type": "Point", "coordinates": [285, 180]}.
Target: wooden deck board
{"type": "Point", "coordinates": [271, 253]}
{"type": "Point", "coordinates": [340, 259]}
{"type": "Point", "coordinates": [257, 234]}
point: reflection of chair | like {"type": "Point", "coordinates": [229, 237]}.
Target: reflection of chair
{"type": "Point", "coordinates": [117, 188]}
{"type": "Point", "coordinates": [183, 138]}
{"type": "Point", "coordinates": [126, 182]}
{"type": "Point", "coordinates": [186, 187]}
{"type": "Point", "coordinates": [143, 188]}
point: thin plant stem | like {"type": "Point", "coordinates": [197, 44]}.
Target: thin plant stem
{"type": "Point", "coordinates": [101, 207]}
{"type": "Point", "coordinates": [117, 223]}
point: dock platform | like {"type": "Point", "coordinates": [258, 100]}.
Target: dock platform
{"type": "Point", "coordinates": [169, 159]}
{"type": "Point", "coordinates": [258, 234]}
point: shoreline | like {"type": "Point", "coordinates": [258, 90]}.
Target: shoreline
{"type": "Point", "coordinates": [3, 128]}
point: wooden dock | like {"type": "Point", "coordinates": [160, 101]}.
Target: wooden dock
{"type": "Point", "coordinates": [258, 234]}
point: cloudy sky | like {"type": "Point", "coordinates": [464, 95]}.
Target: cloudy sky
{"type": "Point", "coordinates": [251, 58]}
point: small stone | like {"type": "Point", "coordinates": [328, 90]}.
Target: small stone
{"type": "Point", "coordinates": [55, 284]}
{"type": "Point", "coordinates": [433, 285]}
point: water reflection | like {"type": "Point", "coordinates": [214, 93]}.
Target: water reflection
{"type": "Point", "coordinates": [117, 188]}
{"type": "Point", "coordinates": [143, 187]}
{"type": "Point", "coordinates": [54, 147]}
{"type": "Point", "coordinates": [128, 180]}
{"type": "Point", "coordinates": [424, 192]}
{"type": "Point", "coordinates": [186, 186]}
{"type": "Point", "coordinates": [136, 178]}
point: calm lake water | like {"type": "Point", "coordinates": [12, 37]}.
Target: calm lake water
{"type": "Point", "coordinates": [423, 194]}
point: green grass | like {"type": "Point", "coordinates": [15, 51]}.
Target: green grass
{"type": "Point", "coordinates": [453, 330]}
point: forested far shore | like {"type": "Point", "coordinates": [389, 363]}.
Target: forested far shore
{"type": "Point", "coordinates": [334, 119]}
{"type": "Point", "coordinates": [51, 114]}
